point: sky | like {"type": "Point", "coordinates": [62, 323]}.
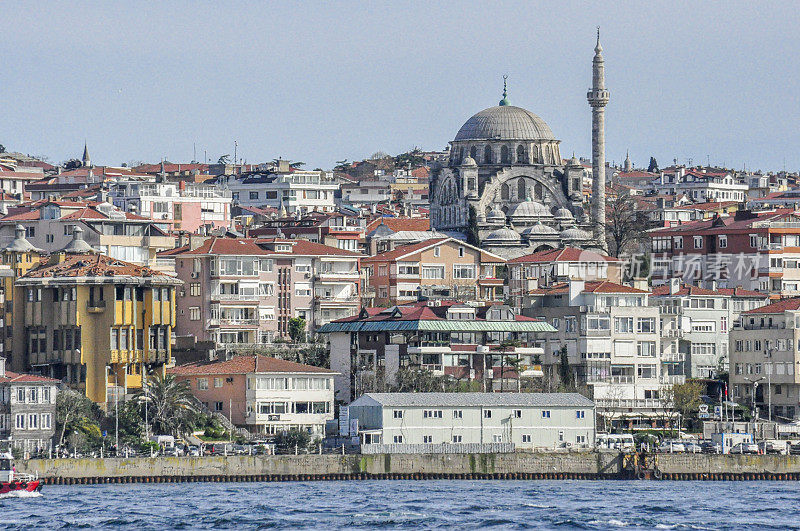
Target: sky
{"type": "Point", "coordinates": [320, 82]}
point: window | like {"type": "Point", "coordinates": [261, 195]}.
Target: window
{"type": "Point", "coordinates": [217, 382]}
{"type": "Point", "coordinates": [437, 251]}
{"type": "Point", "coordinates": [516, 414]}
{"type": "Point", "coordinates": [546, 414]}
{"type": "Point", "coordinates": [580, 414]}
{"type": "Point", "coordinates": [33, 421]}
{"type": "Point", "coordinates": [526, 437]}
{"type": "Point", "coordinates": [253, 195]}
{"type": "Point", "coordinates": [497, 438]}
{"type": "Point", "coordinates": [754, 241]}
{"type": "Point", "coordinates": [456, 439]}
{"type": "Point", "coordinates": [21, 395]}
{"type": "Point", "coordinates": [433, 272]}
{"type": "Point", "coordinates": [723, 325]}
{"type": "Point", "coordinates": [487, 413]}
{"type": "Point", "coordinates": [217, 406]}
{"type": "Point", "coordinates": [194, 313]}
{"type": "Point", "coordinates": [427, 439]}
{"type": "Point", "coordinates": [460, 251]}
{"type": "Point", "coordinates": [432, 414]}
{"type": "Point", "coordinates": [202, 384]}
{"type": "Point", "coordinates": [678, 242]}
{"type": "Point", "coordinates": [47, 421]}
{"type": "Point", "coordinates": [458, 414]}
{"type": "Point", "coordinates": [723, 241]}
{"type": "Point", "coordinates": [19, 422]}
{"type": "Point", "coordinates": [397, 413]}
{"type": "Point", "coordinates": [397, 439]}
{"type": "Point", "coordinates": [646, 325]}
{"type": "Point", "coordinates": [698, 242]}
{"type": "Point", "coordinates": [194, 289]}
{"type": "Point", "coordinates": [463, 271]}
{"type": "Point", "coordinates": [646, 349]}
{"type": "Point", "coordinates": [569, 323]}
{"type": "Point", "coordinates": [623, 325]}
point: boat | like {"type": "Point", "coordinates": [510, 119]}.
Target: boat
{"type": "Point", "coordinates": [12, 482]}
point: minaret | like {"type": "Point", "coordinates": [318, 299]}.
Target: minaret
{"type": "Point", "coordinates": [628, 166]}
{"type": "Point", "coordinates": [598, 99]}
{"type": "Point", "coordinates": [87, 162]}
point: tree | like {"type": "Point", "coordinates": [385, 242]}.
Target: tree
{"type": "Point", "coordinates": [378, 155]}
{"type": "Point", "coordinates": [3, 149]}
{"type": "Point", "coordinates": [686, 398]}
{"type": "Point", "coordinates": [564, 371]}
{"type": "Point", "coordinates": [288, 440]}
{"type": "Point", "coordinates": [74, 413]}
{"type": "Point", "coordinates": [626, 225]}
{"type": "Point", "coordinates": [72, 164]}
{"type": "Point", "coordinates": [653, 166]}
{"type": "Point", "coordinates": [413, 157]}
{"type": "Point", "coordinates": [504, 347]}
{"type": "Point", "coordinates": [472, 227]}
{"type": "Point", "coordinates": [297, 329]}
{"type": "Point", "coordinates": [170, 404]}
{"type": "Point", "coordinates": [416, 380]}
{"type": "Point", "coordinates": [224, 159]}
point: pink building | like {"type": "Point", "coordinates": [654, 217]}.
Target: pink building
{"type": "Point", "coordinates": [242, 292]}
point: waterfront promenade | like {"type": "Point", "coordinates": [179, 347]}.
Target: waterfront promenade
{"type": "Point", "coordinates": [520, 465]}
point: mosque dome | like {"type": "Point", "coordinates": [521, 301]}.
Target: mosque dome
{"type": "Point", "coordinates": [574, 234]}
{"type": "Point", "coordinates": [496, 216]}
{"type": "Point", "coordinates": [563, 213]}
{"type": "Point", "coordinates": [539, 229]}
{"type": "Point", "coordinates": [469, 161]}
{"type": "Point", "coordinates": [530, 209]}
{"type": "Point", "coordinates": [505, 122]}
{"type": "Point", "coordinates": [502, 235]}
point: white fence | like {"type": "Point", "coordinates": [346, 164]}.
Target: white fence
{"type": "Point", "coordinates": [444, 448]}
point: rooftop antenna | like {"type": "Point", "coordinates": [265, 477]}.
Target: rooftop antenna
{"type": "Point", "coordinates": [235, 150]}
{"type": "Point", "coordinates": [194, 149]}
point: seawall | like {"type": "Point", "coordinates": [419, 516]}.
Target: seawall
{"type": "Point", "coordinates": [574, 465]}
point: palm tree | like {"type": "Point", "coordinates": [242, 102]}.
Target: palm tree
{"type": "Point", "coordinates": [504, 347]}
{"type": "Point", "coordinates": [170, 404]}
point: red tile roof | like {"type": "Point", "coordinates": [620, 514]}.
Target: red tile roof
{"type": "Point", "coordinates": [777, 307]}
{"type": "Point", "coordinates": [707, 206]}
{"type": "Point", "coordinates": [567, 254]}
{"type": "Point", "coordinates": [307, 248]}
{"type": "Point", "coordinates": [738, 291]}
{"type": "Point", "coordinates": [398, 224]}
{"type": "Point", "coordinates": [246, 365]}
{"type": "Point", "coordinates": [594, 286]}
{"type": "Point", "coordinates": [397, 252]}
{"type": "Point", "coordinates": [724, 224]}
{"type": "Point", "coordinates": [96, 265]}
{"type": "Point", "coordinates": [13, 377]}
{"type": "Point", "coordinates": [227, 246]}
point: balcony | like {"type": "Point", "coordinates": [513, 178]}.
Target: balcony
{"type": "Point", "coordinates": [333, 276]}
{"type": "Point", "coordinates": [672, 333]}
{"type": "Point", "coordinates": [238, 322]}
{"type": "Point", "coordinates": [672, 357]}
{"type": "Point", "coordinates": [436, 369]}
{"type": "Point", "coordinates": [616, 379]}
{"type": "Point", "coordinates": [629, 403]}
{"type": "Point", "coordinates": [672, 379]}
{"type": "Point", "coordinates": [323, 300]}
{"type": "Point", "coordinates": [235, 297]}
{"type": "Point", "coordinates": [95, 306]}
{"type": "Point", "coordinates": [432, 349]}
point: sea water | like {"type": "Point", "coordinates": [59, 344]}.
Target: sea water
{"type": "Point", "coordinates": [412, 504]}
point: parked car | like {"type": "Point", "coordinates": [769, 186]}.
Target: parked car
{"type": "Point", "coordinates": [693, 447]}
{"type": "Point", "coordinates": [193, 451]}
{"type": "Point", "coordinates": [219, 449]}
{"type": "Point", "coordinates": [671, 447]}
{"type": "Point", "coordinates": [744, 448]}
{"type": "Point", "coordinates": [774, 447]}
{"type": "Point", "coordinates": [711, 447]}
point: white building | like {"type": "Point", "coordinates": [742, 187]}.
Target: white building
{"type": "Point", "coordinates": [701, 185]}
{"type": "Point", "coordinates": [527, 420]}
{"type": "Point", "coordinates": [296, 192]}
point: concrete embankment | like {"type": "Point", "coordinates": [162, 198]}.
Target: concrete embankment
{"type": "Point", "coordinates": [583, 465]}
{"type": "Point", "coordinates": [574, 465]}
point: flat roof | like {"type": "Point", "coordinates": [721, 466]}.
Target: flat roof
{"type": "Point", "coordinates": [473, 399]}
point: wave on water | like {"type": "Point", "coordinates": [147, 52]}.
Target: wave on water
{"type": "Point", "coordinates": [20, 494]}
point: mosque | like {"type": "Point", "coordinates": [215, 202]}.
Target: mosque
{"type": "Point", "coordinates": [505, 165]}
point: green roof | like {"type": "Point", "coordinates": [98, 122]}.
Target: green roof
{"type": "Point", "coordinates": [436, 326]}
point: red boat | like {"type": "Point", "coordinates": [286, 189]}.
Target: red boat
{"type": "Point", "coordinates": [11, 482]}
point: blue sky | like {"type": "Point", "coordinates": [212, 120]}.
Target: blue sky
{"type": "Point", "coordinates": [319, 82]}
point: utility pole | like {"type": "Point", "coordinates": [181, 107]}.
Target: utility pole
{"type": "Point", "coordinates": [116, 408]}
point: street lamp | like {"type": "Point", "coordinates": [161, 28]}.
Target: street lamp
{"type": "Point", "coordinates": [755, 387]}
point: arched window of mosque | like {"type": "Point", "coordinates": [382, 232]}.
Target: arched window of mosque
{"type": "Point", "coordinates": [537, 191]}
{"type": "Point", "coordinates": [487, 154]}
{"type": "Point", "coordinates": [521, 155]}
{"type": "Point", "coordinates": [504, 192]}
{"type": "Point", "coordinates": [521, 192]}
{"type": "Point", "coordinates": [473, 152]}
{"type": "Point", "coordinates": [505, 157]}
{"type": "Point", "coordinates": [471, 184]}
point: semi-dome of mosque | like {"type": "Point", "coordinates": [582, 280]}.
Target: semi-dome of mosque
{"type": "Point", "coordinates": [564, 213]}
{"type": "Point", "coordinates": [530, 209]}
{"type": "Point", "coordinates": [503, 235]}
{"type": "Point", "coordinates": [539, 229]}
{"type": "Point", "coordinates": [468, 161]}
{"type": "Point", "coordinates": [505, 122]}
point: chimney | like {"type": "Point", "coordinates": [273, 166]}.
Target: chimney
{"type": "Point", "coordinates": [2, 367]}
{"type": "Point", "coordinates": [713, 285]}
{"type": "Point", "coordinates": [674, 285]}
{"type": "Point", "coordinates": [576, 287]}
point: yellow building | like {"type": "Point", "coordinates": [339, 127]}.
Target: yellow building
{"type": "Point", "coordinates": [18, 258]}
{"type": "Point", "coordinates": [96, 321]}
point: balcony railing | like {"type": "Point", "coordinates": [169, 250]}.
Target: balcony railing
{"type": "Point", "coordinates": [672, 379]}
{"type": "Point", "coordinates": [95, 306]}
{"type": "Point", "coordinates": [235, 297]}
{"type": "Point", "coordinates": [630, 403]}
{"type": "Point", "coordinates": [617, 379]}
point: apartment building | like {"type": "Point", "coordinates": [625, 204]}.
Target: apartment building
{"type": "Point", "coordinates": [764, 362]}
{"type": "Point", "coordinates": [241, 293]}
{"type": "Point", "coordinates": [699, 321]}
{"type": "Point", "coordinates": [367, 193]}
{"type": "Point", "coordinates": [190, 207]}
{"type": "Point", "coordinates": [292, 192]}
{"type": "Point", "coordinates": [400, 422]}
{"type": "Point", "coordinates": [613, 343]}
{"type": "Point", "coordinates": [18, 257]}
{"type": "Point", "coordinates": [264, 395]}
{"type": "Point", "coordinates": [441, 268]}
{"type": "Point", "coordinates": [27, 410]}
{"type": "Point", "coordinates": [334, 229]}
{"type": "Point", "coordinates": [94, 321]}
{"type": "Point", "coordinates": [701, 185]}
{"type": "Point", "coordinates": [50, 226]}
{"type": "Point", "coordinates": [542, 268]}
{"type": "Point", "coordinates": [446, 338]}
{"type": "Point", "coordinates": [759, 251]}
